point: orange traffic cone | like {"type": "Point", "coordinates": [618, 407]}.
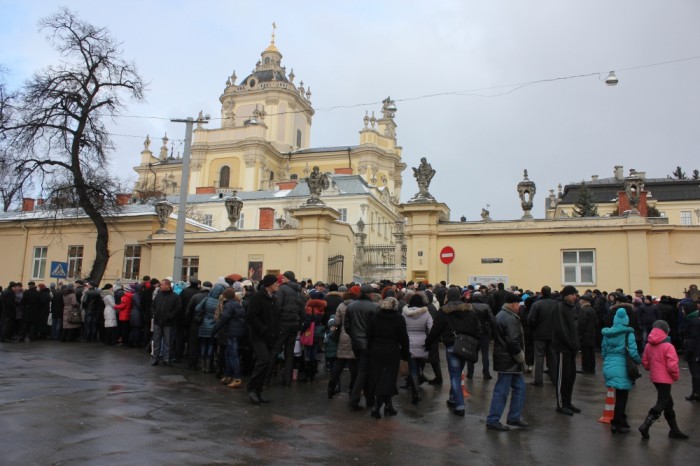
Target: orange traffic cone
{"type": "Point", "coordinates": [465, 393]}
{"type": "Point", "coordinates": [609, 410]}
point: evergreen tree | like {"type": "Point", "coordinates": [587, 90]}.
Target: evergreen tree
{"type": "Point", "coordinates": [696, 174]}
{"type": "Point", "coordinates": [585, 205]}
{"type": "Point", "coordinates": [679, 174]}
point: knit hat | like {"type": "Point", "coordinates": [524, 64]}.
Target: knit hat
{"type": "Point", "coordinates": [355, 290]}
{"type": "Point", "coordinates": [416, 301]}
{"type": "Point", "coordinates": [366, 289]}
{"type": "Point", "coordinates": [269, 280]}
{"type": "Point", "coordinates": [206, 285]}
{"type": "Point", "coordinates": [237, 286]}
{"type": "Point", "coordinates": [453, 294]}
{"type": "Point", "coordinates": [621, 317]}
{"type": "Point", "coordinates": [342, 288]}
{"type": "Point", "coordinates": [663, 325]}
{"type": "Point", "coordinates": [568, 290]}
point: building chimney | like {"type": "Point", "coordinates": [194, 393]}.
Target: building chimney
{"type": "Point", "coordinates": [27, 204]}
{"type": "Point", "coordinates": [123, 199]}
{"type": "Point", "coordinates": [343, 171]}
{"type": "Point", "coordinates": [594, 177]}
{"type": "Point", "coordinates": [619, 173]}
{"type": "Point", "coordinates": [39, 201]}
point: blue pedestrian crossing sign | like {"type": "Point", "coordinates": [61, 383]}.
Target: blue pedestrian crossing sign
{"type": "Point", "coordinates": [59, 269]}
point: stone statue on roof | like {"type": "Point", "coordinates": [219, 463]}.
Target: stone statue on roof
{"type": "Point", "coordinates": [424, 173]}
{"type": "Point", "coordinates": [317, 182]}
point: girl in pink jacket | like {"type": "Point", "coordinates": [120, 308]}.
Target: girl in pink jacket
{"type": "Point", "coordinates": [661, 360]}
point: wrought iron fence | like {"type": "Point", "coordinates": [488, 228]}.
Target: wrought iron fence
{"type": "Point", "coordinates": [335, 269]}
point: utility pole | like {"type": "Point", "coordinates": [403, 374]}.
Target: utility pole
{"type": "Point", "coordinates": [184, 185]}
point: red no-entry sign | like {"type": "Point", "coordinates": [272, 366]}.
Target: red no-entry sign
{"type": "Point", "coordinates": [447, 255]}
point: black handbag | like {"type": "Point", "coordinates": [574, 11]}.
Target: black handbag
{"type": "Point", "coordinates": [632, 367]}
{"type": "Point", "coordinates": [466, 347]}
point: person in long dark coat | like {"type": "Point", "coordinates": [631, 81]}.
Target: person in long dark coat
{"type": "Point", "coordinates": [387, 346]}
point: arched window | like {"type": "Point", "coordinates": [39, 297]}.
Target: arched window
{"type": "Point", "coordinates": [267, 60]}
{"type": "Point", "coordinates": [224, 177]}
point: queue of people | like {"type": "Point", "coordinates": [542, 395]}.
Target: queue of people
{"type": "Point", "coordinates": [254, 335]}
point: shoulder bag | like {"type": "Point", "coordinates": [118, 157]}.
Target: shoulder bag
{"type": "Point", "coordinates": [466, 347]}
{"type": "Point", "coordinates": [632, 368]}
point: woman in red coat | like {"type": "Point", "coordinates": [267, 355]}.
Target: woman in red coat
{"type": "Point", "coordinates": [124, 313]}
{"type": "Point", "coordinates": [315, 309]}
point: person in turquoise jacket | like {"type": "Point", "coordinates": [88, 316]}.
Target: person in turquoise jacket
{"type": "Point", "coordinates": [613, 350]}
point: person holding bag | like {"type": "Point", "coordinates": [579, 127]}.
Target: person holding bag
{"type": "Point", "coordinates": [455, 317]}
{"type": "Point", "coordinates": [313, 324]}
{"type": "Point", "coordinates": [618, 341]}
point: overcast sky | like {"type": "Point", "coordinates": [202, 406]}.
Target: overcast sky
{"type": "Point", "coordinates": [360, 52]}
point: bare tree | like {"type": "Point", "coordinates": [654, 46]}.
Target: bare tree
{"type": "Point", "coordinates": [59, 128]}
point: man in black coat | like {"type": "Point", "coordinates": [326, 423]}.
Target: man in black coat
{"type": "Point", "coordinates": [30, 314]}
{"type": "Point", "coordinates": [565, 344]}
{"type": "Point", "coordinates": [357, 318]}
{"type": "Point", "coordinates": [8, 311]}
{"type": "Point", "coordinates": [540, 322]}
{"type": "Point", "coordinates": [263, 326]}
{"type": "Point", "coordinates": [166, 305]}
{"type": "Point", "coordinates": [182, 325]}
{"type": "Point", "coordinates": [290, 304]}
{"type": "Point", "coordinates": [508, 361]}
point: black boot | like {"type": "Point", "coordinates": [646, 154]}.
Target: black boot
{"type": "Point", "coordinates": [644, 428]}
{"type": "Point", "coordinates": [675, 432]}
{"type": "Point", "coordinates": [415, 394]}
{"type": "Point", "coordinates": [389, 409]}
{"type": "Point", "coordinates": [376, 410]}
{"type": "Point", "coordinates": [331, 389]}
{"type": "Point", "coordinates": [438, 374]}
{"type": "Point", "coordinates": [614, 426]}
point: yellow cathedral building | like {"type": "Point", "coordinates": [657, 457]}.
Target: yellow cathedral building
{"type": "Point", "coordinates": [257, 155]}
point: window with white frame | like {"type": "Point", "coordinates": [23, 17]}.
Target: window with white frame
{"type": "Point", "coordinates": [241, 222]}
{"type": "Point", "coordinates": [132, 262]}
{"type": "Point", "coordinates": [578, 267]}
{"type": "Point", "coordinates": [208, 219]}
{"type": "Point", "coordinates": [75, 262]}
{"type": "Point", "coordinates": [343, 214]}
{"type": "Point", "coordinates": [190, 267]}
{"type": "Point", "coordinates": [686, 217]}
{"type": "Point", "coordinates": [39, 262]}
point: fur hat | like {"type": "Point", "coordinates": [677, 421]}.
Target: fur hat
{"type": "Point", "coordinates": [390, 303]}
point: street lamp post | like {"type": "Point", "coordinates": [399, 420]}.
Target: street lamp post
{"type": "Point", "coordinates": [184, 186]}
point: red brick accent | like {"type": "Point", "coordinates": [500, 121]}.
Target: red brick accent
{"type": "Point", "coordinates": [205, 190]}
{"type": "Point", "coordinates": [343, 171]}
{"type": "Point", "coordinates": [287, 184]}
{"type": "Point", "coordinates": [267, 218]}
{"type": "Point", "coordinates": [123, 199]}
{"type": "Point", "coordinates": [623, 203]}
{"type": "Point", "coordinates": [39, 201]}
{"type": "Point", "coordinates": [27, 204]}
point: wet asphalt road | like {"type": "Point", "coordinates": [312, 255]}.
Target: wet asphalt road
{"type": "Point", "coordinates": [80, 403]}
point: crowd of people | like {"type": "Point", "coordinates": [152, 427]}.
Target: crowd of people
{"type": "Point", "coordinates": [251, 335]}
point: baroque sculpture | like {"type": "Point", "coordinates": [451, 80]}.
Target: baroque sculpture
{"type": "Point", "coordinates": [424, 173]}
{"type": "Point", "coordinates": [526, 191]}
{"type": "Point", "coordinates": [317, 182]}
{"type": "Point", "coordinates": [233, 209]}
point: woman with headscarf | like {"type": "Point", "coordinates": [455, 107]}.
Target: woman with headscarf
{"type": "Point", "coordinates": [387, 345]}
{"type": "Point", "coordinates": [617, 341]}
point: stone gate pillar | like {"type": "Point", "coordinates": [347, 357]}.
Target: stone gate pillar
{"type": "Point", "coordinates": [421, 235]}
{"type": "Point", "coordinates": [314, 240]}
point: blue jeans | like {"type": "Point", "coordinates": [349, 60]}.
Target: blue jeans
{"type": "Point", "coordinates": [90, 327]}
{"type": "Point", "coordinates": [233, 365]}
{"type": "Point", "coordinates": [506, 383]}
{"type": "Point", "coordinates": [56, 328]}
{"type": "Point", "coordinates": [455, 366]}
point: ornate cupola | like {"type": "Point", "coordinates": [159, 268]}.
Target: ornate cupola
{"type": "Point", "coordinates": [270, 91]}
